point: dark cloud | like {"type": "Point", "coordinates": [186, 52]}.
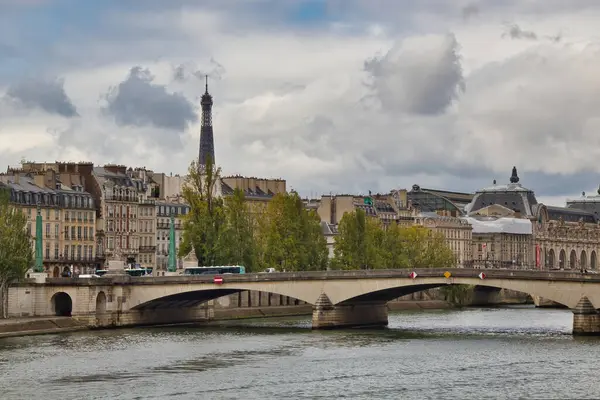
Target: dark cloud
{"type": "Point", "coordinates": [514, 31]}
{"type": "Point", "coordinates": [420, 76]}
{"type": "Point", "coordinates": [48, 95]}
{"type": "Point", "coordinates": [185, 71]}
{"type": "Point", "coordinates": [469, 11]}
{"type": "Point", "coordinates": [137, 101]}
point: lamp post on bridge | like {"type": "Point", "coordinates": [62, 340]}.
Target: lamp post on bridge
{"type": "Point", "coordinates": [39, 263]}
{"type": "Point", "coordinates": [172, 266]}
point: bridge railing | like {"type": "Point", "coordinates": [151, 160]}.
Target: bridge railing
{"type": "Point", "coordinates": [332, 275]}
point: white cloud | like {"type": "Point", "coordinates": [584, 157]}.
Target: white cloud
{"type": "Point", "coordinates": [423, 96]}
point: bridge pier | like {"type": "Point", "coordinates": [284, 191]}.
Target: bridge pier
{"type": "Point", "coordinates": [586, 320]}
{"type": "Point", "coordinates": [352, 315]}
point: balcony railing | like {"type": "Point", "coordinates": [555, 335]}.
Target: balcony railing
{"type": "Point", "coordinates": [147, 249]}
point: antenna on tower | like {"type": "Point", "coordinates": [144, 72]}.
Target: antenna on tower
{"type": "Point", "coordinates": [206, 85]}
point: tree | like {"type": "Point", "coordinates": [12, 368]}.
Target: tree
{"type": "Point", "coordinates": [16, 254]}
{"type": "Point", "coordinates": [237, 243]}
{"type": "Point", "coordinates": [290, 237]}
{"type": "Point", "coordinates": [363, 242]}
{"type": "Point", "coordinates": [204, 223]}
{"type": "Point", "coordinates": [356, 246]}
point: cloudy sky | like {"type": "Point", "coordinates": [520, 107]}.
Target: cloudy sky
{"type": "Point", "coordinates": [333, 95]}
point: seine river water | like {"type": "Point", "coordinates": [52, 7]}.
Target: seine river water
{"type": "Point", "coordinates": [503, 353]}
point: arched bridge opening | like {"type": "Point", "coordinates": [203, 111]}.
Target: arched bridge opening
{"type": "Point", "coordinates": [225, 297]}
{"type": "Point", "coordinates": [481, 289]}
{"type": "Point", "coordinates": [62, 304]}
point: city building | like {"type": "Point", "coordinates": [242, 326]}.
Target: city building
{"type": "Point", "coordinates": [163, 224]}
{"type": "Point", "coordinates": [438, 201]}
{"type": "Point", "coordinates": [561, 237]}
{"type": "Point", "coordinates": [386, 207]}
{"type": "Point", "coordinates": [120, 196]}
{"type": "Point", "coordinates": [457, 232]}
{"type": "Point", "coordinates": [68, 217]}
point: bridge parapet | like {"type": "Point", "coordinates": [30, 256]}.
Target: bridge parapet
{"type": "Point", "coordinates": [326, 275]}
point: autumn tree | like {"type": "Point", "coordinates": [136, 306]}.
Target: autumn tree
{"type": "Point", "coordinates": [237, 242]}
{"type": "Point", "coordinates": [204, 224]}
{"type": "Point", "coordinates": [290, 237]}
{"type": "Point", "coordinates": [16, 254]}
{"type": "Point", "coordinates": [356, 244]}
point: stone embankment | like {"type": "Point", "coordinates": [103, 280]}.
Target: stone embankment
{"type": "Point", "coordinates": [242, 305]}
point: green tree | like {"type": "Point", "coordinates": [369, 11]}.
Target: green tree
{"type": "Point", "coordinates": [426, 249]}
{"type": "Point", "coordinates": [16, 254]}
{"type": "Point", "coordinates": [357, 244]}
{"type": "Point", "coordinates": [290, 236]}
{"type": "Point", "coordinates": [363, 242]}
{"type": "Point", "coordinates": [237, 242]}
{"type": "Point", "coordinates": [203, 225]}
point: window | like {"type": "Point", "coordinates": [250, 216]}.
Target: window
{"type": "Point", "coordinates": [66, 216]}
{"type": "Point", "coordinates": [47, 230]}
{"type": "Point", "coordinates": [79, 216]}
{"type": "Point", "coordinates": [91, 233]}
{"type": "Point", "coordinates": [79, 232]}
{"type": "Point", "coordinates": [85, 233]}
{"type": "Point", "coordinates": [90, 252]}
{"type": "Point", "coordinates": [47, 251]}
{"type": "Point", "coordinates": [72, 252]}
{"type": "Point", "coordinates": [85, 251]}
{"type": "Point", "coordinates": [79, 252]}
{"type": "Point", "coordinates": [47, 213]}
{"type": "Point", "coordinates": [66, 254]}
{"type": "Point", "coordinates": [56, 231]}
{"type": "Point", "coordinates": [66, 232]}
{"type": "Point", "coordinates": [73, 233]}
{"type": "Point", "coordinates": [56, 251]}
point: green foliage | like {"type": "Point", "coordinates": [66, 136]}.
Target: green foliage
{"type": "Point", "coordinates": [206, 220]}
{"type": "Point", "coordinates": [457, 294]}
{"type": "Point", "coordinates": [237, 242]}
{"type": "Point", "coordinates": [364, 242]}
{"type": "Point", "coordinates": [16, 254]}
{"type": "Point", "coordinates": [283, 235]}
{"type": "Point", "coordinates": [290, 236]}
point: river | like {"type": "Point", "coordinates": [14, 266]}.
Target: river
{"type": "Point", "coordinates": [480, 353]}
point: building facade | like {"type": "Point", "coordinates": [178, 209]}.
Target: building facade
{"type": "Point", "coordinates": [68, 219]}
{"type": "Point", "coordinates": [163, 225]}
{"type": "Point", "coordinates": [457, 232]}
{"type": "Point", "coordinates": [560, 237]}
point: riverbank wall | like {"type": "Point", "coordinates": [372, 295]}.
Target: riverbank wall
{"type": "Point", "coordinates": [248, 304]}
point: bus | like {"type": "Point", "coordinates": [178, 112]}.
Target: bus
{"type": "Point", "coordinates": [138, 271]}
{"type": "Point", "coordinates": [215, 270]}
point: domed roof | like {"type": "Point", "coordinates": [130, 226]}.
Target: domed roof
{"type": "Point", "coordinates": [512, 196]}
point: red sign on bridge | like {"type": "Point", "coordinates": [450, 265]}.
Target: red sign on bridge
{"type": "Point", "coordinates": [218, 280]}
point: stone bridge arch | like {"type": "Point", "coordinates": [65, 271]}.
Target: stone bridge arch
{"type": "Point", "coordinates": [382, 291]}
{"type": "Point", "coordinates": [347, 291]}
{"type": "Point", "coordinates": [148, 297]}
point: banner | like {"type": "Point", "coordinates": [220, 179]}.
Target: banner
{"type": "Point", "coordinates": [538, 261]}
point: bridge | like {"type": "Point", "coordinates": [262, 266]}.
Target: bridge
{"type": "Point", "coordinates": [339, 298]}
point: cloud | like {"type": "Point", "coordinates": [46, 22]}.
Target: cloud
{"type": "Point", "coordinates": [422, 75]}
{"type": "Point", "coordinates": [514, 31]}
{"type": "Point", "coordinates": [137, 101]}
{"type": "Point", "coordinates": [189, 70]}
{"type": "Point", "coordinates": [363, 97]}
{"type": "Point", "coordinates": [48, 95]}
{"type": "Point", "coordinates": [469, 11]}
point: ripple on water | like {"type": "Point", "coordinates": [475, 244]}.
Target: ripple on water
{"type": "Point", "coordinates": [467, 354]}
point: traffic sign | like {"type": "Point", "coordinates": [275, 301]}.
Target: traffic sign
{"type": "Point", "coordinates": [447, 274]}
{"type": "Point", "coordinates": [412, 275]}
{"type": "Point", "coordinates": [218, 280]}
{"type": "Point", "coordinates": [482, 276]}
